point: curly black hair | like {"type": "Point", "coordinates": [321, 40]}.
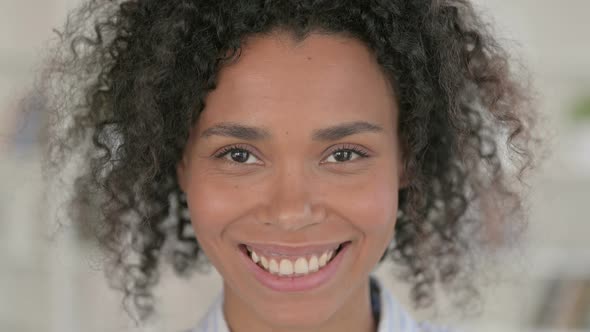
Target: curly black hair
{"type": "Point", "coordinates": [127, 80]}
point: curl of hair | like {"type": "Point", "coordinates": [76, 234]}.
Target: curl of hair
{"type": "Point", "coordinates": [128, 79]}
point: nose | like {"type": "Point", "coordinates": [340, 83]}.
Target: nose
{"type": "Point", "coordinates": [291, 205]}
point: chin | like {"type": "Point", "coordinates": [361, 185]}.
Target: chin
{"type": "Point", "coordinates": [305, 315]}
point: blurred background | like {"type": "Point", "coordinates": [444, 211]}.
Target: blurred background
{"type": "Point", "coordinates": [51, 281]}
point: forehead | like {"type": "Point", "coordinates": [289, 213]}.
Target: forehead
{"type": "Point", "coordinates": [328, 78]}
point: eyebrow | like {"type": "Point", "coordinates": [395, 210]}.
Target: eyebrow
{"type": "Point", "coordinates": [250, 133]}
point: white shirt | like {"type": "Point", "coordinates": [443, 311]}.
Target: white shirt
{"type": "Point", "coordinates": [393, 317]}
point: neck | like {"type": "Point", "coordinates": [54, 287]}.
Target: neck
{"type": "Point", "coordinates": [355, 314]}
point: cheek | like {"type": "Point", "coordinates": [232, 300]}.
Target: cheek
{"type": "Point", "coordinates": [367, 201]}
{"type": "Point", "coordinates": [213, 203]}
{"type": "Point", "coordinates": [372, 205]}
{"type": "Point", "coordinates": [377, 216]}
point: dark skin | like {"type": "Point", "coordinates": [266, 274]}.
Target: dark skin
{"type": "Point", "coordinates": [290, 189]}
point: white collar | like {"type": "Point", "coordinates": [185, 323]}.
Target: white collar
{"type": "Point", "coordinates": [393, 317]}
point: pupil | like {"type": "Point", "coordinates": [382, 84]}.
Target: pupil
{"type": "Point", "coordinates": [239, 156]}
{"type": "Point", "coordinates": [342, 153]}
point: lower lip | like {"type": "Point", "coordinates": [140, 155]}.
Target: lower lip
{"type": "Point", "coordinates": [296, 283]}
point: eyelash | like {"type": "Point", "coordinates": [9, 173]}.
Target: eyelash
{"type": "Point", "coordinates": [346, 147]}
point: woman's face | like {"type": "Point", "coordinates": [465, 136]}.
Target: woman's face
{"type": "Point", "coordinates": [295, 153]}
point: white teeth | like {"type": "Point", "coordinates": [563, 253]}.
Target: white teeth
{"type": "Point", "coordinates": [264, 262]}
{"type": "Point", "coordinates": [313, 263]}
{"type": "Point", "coordinates": [292, 266]}
{"type": "Point", "coordinates": [301, 266]}
{"type": "Point", "coordinates": [323, 259]}
{"type": "Point", "coordinates": [273, 267]}
{"type": "Point", "coordinates": [255, 257]}
{"type": "Point", "coordinates": [286, 267]}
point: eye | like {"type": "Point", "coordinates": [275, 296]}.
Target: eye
{"type": "Point", "coordinates": [346, 153]}
{"type": "Point", "coordinates": [236, 154]}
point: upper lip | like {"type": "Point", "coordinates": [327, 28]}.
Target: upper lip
{"type": "Point", "coordinates": [292, 250]}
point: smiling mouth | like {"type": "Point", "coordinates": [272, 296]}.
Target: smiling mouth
{"type": "Point", "coordinates": [293, 266]}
